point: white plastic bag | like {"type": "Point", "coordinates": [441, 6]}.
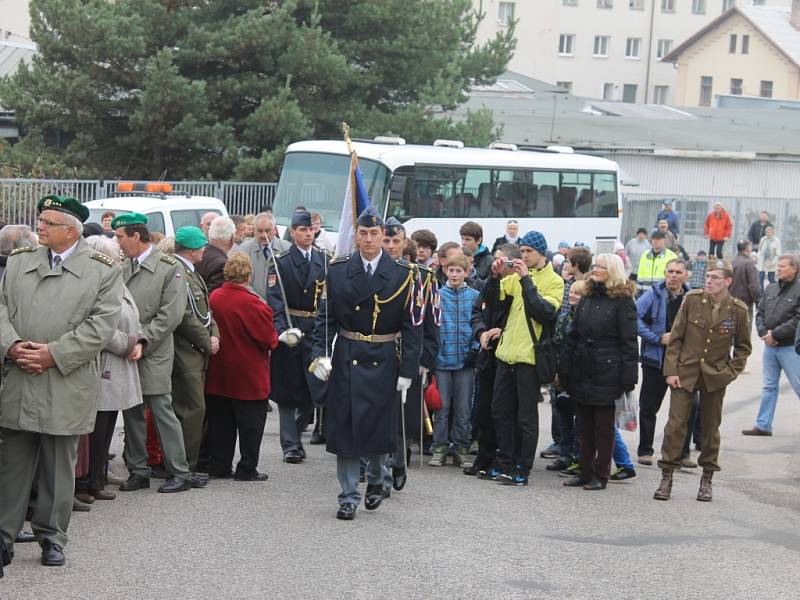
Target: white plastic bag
{"type": "Point", "coordinates": [627, 412]}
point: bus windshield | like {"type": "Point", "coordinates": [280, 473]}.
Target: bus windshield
{"type": "Point", "coordinates": [318, 182]}
{"type": "Point", "coordinates": [483, 192]}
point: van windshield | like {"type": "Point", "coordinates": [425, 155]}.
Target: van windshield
{"type": "Point", "coordinates": [318, 182]}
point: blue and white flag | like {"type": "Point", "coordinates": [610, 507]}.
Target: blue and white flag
{"type": "Point", "coordinates": [356, 200]}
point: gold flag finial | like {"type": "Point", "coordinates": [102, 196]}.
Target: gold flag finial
{"type": "Point", "coordinates": [346, 133]}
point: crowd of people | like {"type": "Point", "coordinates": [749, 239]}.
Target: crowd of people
{"type": "Point", "coordinates": [407, 341]}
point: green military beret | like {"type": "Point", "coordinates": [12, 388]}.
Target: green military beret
{"type": "Point", "coordinates": [65, 204]}
{"type": "Point", "coordinates": [126, 219]}
{"type": "Point", "coordinates": [191, 237]}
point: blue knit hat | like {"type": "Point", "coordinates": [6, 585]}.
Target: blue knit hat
{"type": "Point", "coordinates": [535, 240]}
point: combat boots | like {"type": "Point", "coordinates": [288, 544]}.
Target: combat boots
{"type": "Point", "coordinates": [704, 494]}
{"type": "Point", "coordinates": [665, 487]}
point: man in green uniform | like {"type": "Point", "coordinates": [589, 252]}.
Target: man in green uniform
{"type": "Point", "coordinates": [698, 359]}
{"type": "Point", "coordinates": [156, 282]}
{"type": "Point", "coordinates": [58, 308]}
{"type": "Point", "coordinates": [196, 339]}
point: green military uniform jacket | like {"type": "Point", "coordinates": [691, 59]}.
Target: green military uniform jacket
{"type": "Point", "coordinates": [700, 342]}
{"type": "Point", "coordinates": [73, 308]}
{"type": "Point", "coordinates": [193, 335]}
{"type": "Point", "coordinates": [158, 287]}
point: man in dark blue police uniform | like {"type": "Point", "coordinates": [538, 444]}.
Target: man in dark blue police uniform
{"type": "Point", "coordinates": [294, 289]}
{"type": "Point", "coordinates": [393, 242]}
{"type": "Point", "coordinates": [369, 297]}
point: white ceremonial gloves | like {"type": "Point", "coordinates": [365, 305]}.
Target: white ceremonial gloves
{"type": "Point", "coordinates": [423, 371]}
{"type": "Point", "coordinates": [291, 337]}
{"type": "Point", "coordinates": [321, 368]}
{"type": "Point", "coordinates": [403, 383]}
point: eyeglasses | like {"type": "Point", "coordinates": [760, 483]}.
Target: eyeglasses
{"type": "Point", "coordinates": [599, 267]}
{"type": "Point", "coordinates": [48, 223]}
{"type": "Point", "coordinates": [717, 277]}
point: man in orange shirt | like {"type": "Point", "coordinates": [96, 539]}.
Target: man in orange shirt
{"type": "Point", "coordinates": [718, 229]}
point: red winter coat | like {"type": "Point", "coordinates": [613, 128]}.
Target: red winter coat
{"type": "Point", "coordinates": [240, 370]}
{"type": "Point", "coordinates": [718, 228]}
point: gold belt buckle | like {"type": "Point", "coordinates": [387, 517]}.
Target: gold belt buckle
{"type": "Point", "coordinates": [363, 338]}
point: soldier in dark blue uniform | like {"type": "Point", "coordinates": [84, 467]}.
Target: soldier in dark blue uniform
{"type": "Point", "coordinates": [369, 301]}
{"type": "Point", "coordinates": [425, 304]}
{"type": "Point", "coordinates": [294, 290]}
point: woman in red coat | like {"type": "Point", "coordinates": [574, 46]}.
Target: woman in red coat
{"type": "Point", "coordinates": [237, 382]}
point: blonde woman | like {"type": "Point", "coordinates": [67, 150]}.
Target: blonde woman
{"type": "Point", "coordinates": [599, 363]}
{"type": "Point", "coordinates": [769, 249]}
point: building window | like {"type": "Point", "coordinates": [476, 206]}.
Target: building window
{"type": "Point", "coordinates": [569, 2]}
{"type": "Point", "coordinates": [759, 2]}
{"type": "Point", "coordinates": [629, 93]}
{"type": "Point", "coordinates": [667, 5]}
{"type": "Point", "coordinates": [660, 94]}
{"type": "Point", "coordinates": [632, 47]}
{"type": "Point", "coordinates": [745, 44]}
{"type": "Point", "coordinates": [505, 13]}
{"type": "Point", "coordinates": [706, 83]}
{"type": "Point", "coordinates": [728, 4]}
{"type": "Point", "coordinates": [736, 87]}
{"type": "Point", "coordinates": [601, 45]}
{"type": "Point", "coordinates": [636, 4]}
{"type": "Point", "coordinates": [566, 44]}
{"type": "Point", "coordinates": [766, 89]}
{"type": "Point", "coordinates": [608, 91]}
{"type": "Point", "coordinates": [732, 44]}
{"type": "Point", "coordinates": [699, 7]}
{"type": "Point", "coordinates": [567, 85]}
{"type": "Point", "coordinates": [664, 48]}
{"type": "Point", "coordinates": [605, 3]}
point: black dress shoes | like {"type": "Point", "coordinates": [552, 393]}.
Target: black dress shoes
{"type": "Point", "coordinates": [23, 537]}
{"type": "Point", "coordinates": [220, 475]}
{"type": "Point", "coordinates": [302, 452]}
{"type": "Point", "coordinates": [292, 457]}
{"type": "Point", "coordinates": [52, 555]}
{"type": "Point", "coordinates": [594, 485]}
{"type": "Point", "coordinates": [255, 476]}
{"type": "Point", "coordinates": [175, 485]}
{"type": "Point", "coordinates": [399, 478]}
{"type": "Point", "coordinates": [135, 482]}
{"type": "Point", "coordinates": [575, 482]}
{"type": "Point", "coordinates": [346, 512]}
{"type": "Point", "coordinates": [471, 470]}
{"type": "Point", "coordinates": [199, 480]}
{"type": "Point", "coordinates": [374, 496]}
{"type": "Point", "coordinates": [317, 438]}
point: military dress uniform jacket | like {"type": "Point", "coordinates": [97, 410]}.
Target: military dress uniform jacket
{"type": "Point", "coordinates": [303, 280]}
{"type": "Point", "coordinates": [73, 308]}
{"type": "Point", "coordinates": [700, 343]}
{"type": "Point", "coordinates": [362, 410]}
{"type": "Point", "coordinates": [192, 337]}
{"type": "Point", "coordinates": [158, 286]}
{"type": "Point", "coordinates": [261, 263]}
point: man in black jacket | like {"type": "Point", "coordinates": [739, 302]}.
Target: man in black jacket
{"type": "Point", "coordinates": [759, 229]}
{"type": "Point", "coordinates": [776, 322]}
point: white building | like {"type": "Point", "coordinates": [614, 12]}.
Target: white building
{"type": "Point", "coordinates": [608, 49]}
{"type": "Point", "coordinates": [14, 18]}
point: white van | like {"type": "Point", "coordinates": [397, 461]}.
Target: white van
{"type": "Point", "coordinates": [166, 211]}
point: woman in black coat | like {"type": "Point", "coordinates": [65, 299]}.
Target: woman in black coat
{"type": "Point", "coordinates": [599, 363]}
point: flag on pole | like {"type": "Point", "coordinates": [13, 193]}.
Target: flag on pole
{"type": "Point", "coordinates": [356, 200]}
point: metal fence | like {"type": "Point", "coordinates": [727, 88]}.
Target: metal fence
{"type": "Point", "coordinates": [640, 210]}
{"type": "Point", "coordinates": [18, 197]}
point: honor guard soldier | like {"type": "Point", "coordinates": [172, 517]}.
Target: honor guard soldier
{"type": "Point", "coordinates": [294, 288]}
{"type": "Point", "coordinates": [369, 297]}
{"type": "Point", "coordinates": [58, 309]}
{"type": "Point", "coordinates": [709, 323]}
{"type": "Point", "coordinates": [196, 339]}
{"type": "Point", "coordinates": [157, 283]}
{"type": "Point", "coordinates": [425, 304]}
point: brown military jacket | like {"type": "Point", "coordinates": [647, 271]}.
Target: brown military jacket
{"type": "Point", "coordinates": [700, 342]}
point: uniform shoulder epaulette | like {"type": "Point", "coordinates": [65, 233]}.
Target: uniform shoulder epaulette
{"type": "Point", "coordinates": [170, 260]}
{"type": "Point", "coordinates": [424, 268]}
{"type": "Point", "coordinates": [341, 259]}
{"type": "Point", "coordinates": [403, 263]}
{"type": "Point", "coordinates": [694, 293]}
{"type": "Point", "coordinates": [280, 253]}
{"type": "Point", "coordinates": [739, 303]}
{"type": "Point", "coordinates": [21, 250]}
{"type": "Point", "coordinates": [106, 260]}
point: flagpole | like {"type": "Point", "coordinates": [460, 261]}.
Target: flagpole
{"type": "Point", "coordinates": [348, 141]}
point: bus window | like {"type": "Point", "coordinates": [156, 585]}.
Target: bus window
{"type": "Point", "coordinates": [605, 189]}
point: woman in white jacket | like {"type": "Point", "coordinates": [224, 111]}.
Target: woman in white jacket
{"type": "Point", "coordinates": [769, 249]}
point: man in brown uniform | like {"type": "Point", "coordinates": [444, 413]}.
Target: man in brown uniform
{"type": "Point", "coordinates": [698, 358]}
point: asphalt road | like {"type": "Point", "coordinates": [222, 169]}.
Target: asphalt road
{"type": "Point", "coordinates": [450, 536]}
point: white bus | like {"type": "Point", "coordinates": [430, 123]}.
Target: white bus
{"type": "Point", "coordinates": [566, 196]}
